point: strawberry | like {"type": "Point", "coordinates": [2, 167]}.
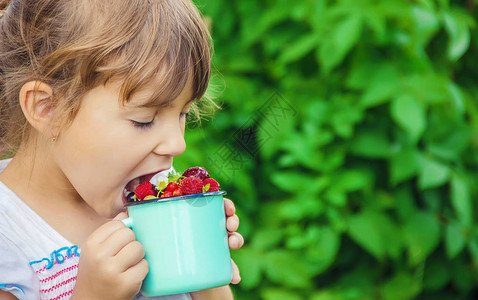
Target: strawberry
{"type": "Point", "coordinates": [210, 185]}
{"type": "Point", "coordinates": [191, 185]}
{"type": "Point", "coordinates": [178, 192]}
{"type": "Point", "coordinates": [145, 189]}
{"type": "Point", "coordinates": [198, 172]}
{"type": "Point", "coordinates": [167, 194]}
{"type": "Point", "coordinates": [172, 186]}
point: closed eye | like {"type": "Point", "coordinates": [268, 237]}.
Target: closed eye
{"type": "Point", "coordinates": [143, 125]}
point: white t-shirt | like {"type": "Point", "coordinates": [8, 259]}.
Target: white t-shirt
{"type": "Point", "coordinates": [36, 262]}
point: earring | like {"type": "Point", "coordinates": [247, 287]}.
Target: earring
{"type": "Point", "coordinates": [53, 139]}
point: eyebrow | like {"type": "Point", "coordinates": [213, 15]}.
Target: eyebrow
{"type": "Point", "coordinates": [160, 105]}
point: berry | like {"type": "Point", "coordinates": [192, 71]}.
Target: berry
{"type": "Point", "coordinates": [178, 192]}
{"type": "Point", "coordinates": [213, 185]}
{"type": "Point", "coordinates": [167, 194]}
{"type": "Point", "coordinates": [198, 172]}
{"type": "Point", "coordinates": [172, 186]}
{"type": "Point", "coordinates": [191, 185]}
{"type": "Point", "coordinates": [145, 189]}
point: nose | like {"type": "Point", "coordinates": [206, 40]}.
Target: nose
{"type": "Point", "coordinates": [171, 141]}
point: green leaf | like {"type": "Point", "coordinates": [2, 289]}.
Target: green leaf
{"type": "Point", "coordinates": [457, 97]}
{"type": "Point", "coordinates": [338, 44]}
{"type": "Point", "coordinates": [410, 114]}
{"type": "Point", "coordinates": [401, 287]}
{"type": "Point", "coordinates": [473, 250]}
{"type": "Point", "coordinates": [464, 277]}
{"type": "Point", "coordinates": [286, 268]}
{"type": "Point", "coordinates": [427, 23]}
{"type": "Point", "coordinates": [459, 36]}
{"type": "Point", "coordinates": [353, 180]}
{"type": "Point", "coordinates": [452, 144]}
{"type": "Point", "coordinates": [266, 238]}
{"type": "Point", "coordinates": [326, 295]}
{"type": "Point", "coordinates": [283, 294]}
{"type": "Point", "coordinates": [382, 82]}
{"type": "Point", "coordinates": [403, 165]}
{"type": "Point", "coordinates": [422, 235]}
{"type": "Point", "coordinates": [437, 273]}
{"type": "Point", "coordinates": [461, 200]}
{"type": "Point", "coordinates": [250, 262]}
{"type": "Point", "coordinates": [322, 252]}
{"type": "Point", "coordinates": [432, 173]}
{"type": "Point", "coordinates": [454, 239]}
{"type": "Point", "coordinates": [299, 48]}
{"type": "Point", "coordinates": [291, 181]}
{"type": "Point", "coordinates": [372, 144]}
{"type": "Point", "coordinates": [374, 232]}
{"type": "Point", "coordinates": [405, 199]}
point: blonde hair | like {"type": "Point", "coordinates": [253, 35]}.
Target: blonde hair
{"type": "Point", "coordinates": [76, 45]}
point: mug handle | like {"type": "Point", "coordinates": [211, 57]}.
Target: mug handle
{"type": "Point", "coordinates": [128, 222]}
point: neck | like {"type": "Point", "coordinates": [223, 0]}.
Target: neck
{"type": "Point", "coordinates": [36, 179]}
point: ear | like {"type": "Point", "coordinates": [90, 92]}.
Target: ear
{"type": "Point", "coordinates": [36, 101]}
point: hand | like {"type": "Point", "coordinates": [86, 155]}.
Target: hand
{"type": "Point", "coordinates": [112, 264]}
{"type": "Point", "coordinates": [235, 239]}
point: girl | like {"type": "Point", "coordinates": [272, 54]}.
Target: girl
{"type": "Point", "coordinates": [94, 99]}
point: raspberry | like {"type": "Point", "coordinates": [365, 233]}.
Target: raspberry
{"type": "Point", "coordinates": [167, 194]}
{"type": "Point", "coordinates": [191, 185]}
{"type": "Point", "coordinates": [213, 185]}
{"type": "Point", "coordinates": [145, 189]}
{"type": "Point", "coordinates": [178, 192]}
{"type": "Point", "coordinates": [172, 186]}
{"type": "Point", "coordinates": [198, 172]}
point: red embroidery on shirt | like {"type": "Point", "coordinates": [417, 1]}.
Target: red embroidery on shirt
{"type": "Point", "coordinates": [62, 295]}
{"type": "Point", "coordinates": [58, 285]}
{"type": "Point", "coordinates": [59, 273]}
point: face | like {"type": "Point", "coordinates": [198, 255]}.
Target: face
{"type": "Point", "coordinates": [110, 146]}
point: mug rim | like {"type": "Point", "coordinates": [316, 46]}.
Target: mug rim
{"type": "Point", "coordinates": [175, 198]}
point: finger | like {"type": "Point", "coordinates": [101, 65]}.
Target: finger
{"type": "Point", "coordinates": [121, 216]}
{"type": "Point", "coordinates": [232, 223]}
{"type": "Point", "coordinates": [229, 207]}
{"type": "Point", "coordinates": [235, 241]}
{"type": "Point", "coordinates": [104, 231]}
{"type": "Point", "coordinates": [117, 241]}
{"type": "Point", "coordinates": [236, 276]}
{"type": "Point", "coordinates": [136, 275]}
{"type": "Point", "coordinates": [130, 255]}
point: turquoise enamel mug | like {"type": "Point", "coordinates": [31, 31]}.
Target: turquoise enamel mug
{"type": "Point", "coordinates": [185, 242]}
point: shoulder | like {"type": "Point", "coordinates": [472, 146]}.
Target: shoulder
{"type": "Point", "coordinates": [16, 275]}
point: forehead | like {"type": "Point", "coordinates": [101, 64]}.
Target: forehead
{"type": "Point", "coordinates": [149, 95]}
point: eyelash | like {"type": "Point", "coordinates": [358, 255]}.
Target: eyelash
{"type": "Point", "coordinates": [141, 125]}
{"type": "Point", "coordinates": [150, 124]}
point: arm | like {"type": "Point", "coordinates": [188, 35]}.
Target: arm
{"type": "Point", "coordinates": [8, 296]}
{"type": "Point", "coordinates": [219, 293]}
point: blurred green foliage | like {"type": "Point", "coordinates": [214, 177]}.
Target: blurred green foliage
{"type": "Point", "coordinates": [365, 186]}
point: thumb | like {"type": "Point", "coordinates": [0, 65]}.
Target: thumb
{"type": "Point", "coordinates": [121, 216]}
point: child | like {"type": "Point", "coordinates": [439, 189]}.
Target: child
{"type": "Point", "coordinates": [93, 95]}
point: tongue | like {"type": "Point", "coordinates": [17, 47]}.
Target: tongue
{"type": "Point", "coordinates": [133, 184]}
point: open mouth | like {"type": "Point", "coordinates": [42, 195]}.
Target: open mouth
{"type": "Point", "coordinates": [129, 189]}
